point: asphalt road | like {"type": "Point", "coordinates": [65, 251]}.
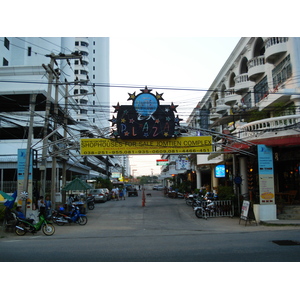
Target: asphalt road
{"type": "Point", "coordinates": [165, 230]}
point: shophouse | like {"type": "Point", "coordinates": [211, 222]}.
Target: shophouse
{"type": "Point", "coordinates": [254, 100]}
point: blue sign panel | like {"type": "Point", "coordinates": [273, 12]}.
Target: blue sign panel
{"type": "Point", "coordinates": [220, 171]}
{"type": "Point", "coordinates": [22, 164]}
{"type": "Point", "coordinates": [265, 160]}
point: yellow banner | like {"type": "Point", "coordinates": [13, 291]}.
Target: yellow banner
{"type": "Point", "coordinates": [180, 145]}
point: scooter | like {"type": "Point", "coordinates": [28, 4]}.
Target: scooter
{"type": "Point", "coordinates": [23, 226]}
{"type": "Point", "coordinates": [204, 209]}
{"type": "Point", "coordinates": [61, 217]}
{"type": "Point", "coordinates": [90, 202]}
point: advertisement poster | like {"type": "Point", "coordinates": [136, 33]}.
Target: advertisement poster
{"type": "Point", "coordinates": [245, 210]}
{"type": "Point", "coordinates": [266, 174]}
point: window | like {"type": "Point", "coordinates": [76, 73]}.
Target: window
{"type": "Point", "coordinates": [6, 43]}
{"type": "Point", "coordinates": [261, 90]}
{"type": "Point", "coordinates": [5, 62]}
{"type": "Point", "coordinates": [76, 43]}
{"type": "Point", "coordinates": [29, 51]}
{"type": "Point", "coordinates": [282, 72]}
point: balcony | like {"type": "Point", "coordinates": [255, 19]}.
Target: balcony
{"type": "Point", "coordinates": [214, 116]}
{"type": "Point", "coordinates": [221, 106]}
{"type": "Point", "coordinates": [256, 67]}
{"type": "Point", "coordinates": [279, 129]}
{"type": "Point", "coordinates": [276, 47]}
{"type": "Point", "coordinates": [231, 97]}
{"type": "Point", "coordinates": [242, 83]}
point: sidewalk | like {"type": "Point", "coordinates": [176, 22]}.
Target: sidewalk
{"type": "Point", "coordinates": [281, 222]}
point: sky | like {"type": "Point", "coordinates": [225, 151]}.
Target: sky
{"type": "Point", "coordinates": [165, 64]}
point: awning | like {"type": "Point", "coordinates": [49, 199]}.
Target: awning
{"type": "Point", "coordinates": [77, 185]}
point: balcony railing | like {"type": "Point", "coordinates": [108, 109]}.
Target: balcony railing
{"type": "Point", "coordinates": [221, 106]}
{"type": "Point", "coordinates": [256, 67]}
{"type": "Point", "coordinates": [275, 48]}
{"type": "Point", "coordinates": [231, 97]}
{"type": "Point", "coordinates": [242, 83]}
{"type": "Point", "coordinates": [254, 129]}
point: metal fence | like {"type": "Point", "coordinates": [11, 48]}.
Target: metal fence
{"type": "Point", "coordinates": [221, 208]}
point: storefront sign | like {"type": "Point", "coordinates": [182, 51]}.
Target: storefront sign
{"type": "Point", "coordinates": [183, 164]}
{"type": "Point", "coordinates": [180, 145]}
{"type": "Point", "coordinates": [266, 174]}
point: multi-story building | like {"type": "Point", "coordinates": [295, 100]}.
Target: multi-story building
{"type": "Point", "coordinates": [253, 100]}
{"type": "Point", "coordinates": [52, 92]}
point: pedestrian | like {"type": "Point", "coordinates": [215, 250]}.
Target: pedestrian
{"type": "Point", "coordinates": [70, 202]}
{"type": "Point", "coordinates": [124, 192]}
{"type": "Point", "coordinates": [48, 206]}
{"type": "Point", "coordinates": [41, 205]}
{"type": "Point", "coordinates": [117, 193]}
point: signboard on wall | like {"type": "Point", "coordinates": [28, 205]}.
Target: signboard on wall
{"type": "Point", "coordinates": [266, 174]}
{"type": "Point", "coordinates": [183, 164]}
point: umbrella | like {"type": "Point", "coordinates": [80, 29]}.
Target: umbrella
{"type": "Point", "coordinates": [4, 196]}
{"type": "Point", "coordinates": [10, 200]}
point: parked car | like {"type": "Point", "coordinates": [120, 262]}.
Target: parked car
{"type": "Point", "coordinates": [99, 194]}
{"type": "Point", "coordinates": [108, 193]}
{"type": "Point", "coordinates": [158, 187]}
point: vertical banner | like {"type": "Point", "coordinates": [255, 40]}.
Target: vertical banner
{"type": "Point", "coordinates": [21, 174]}
{"type": "Point", "coordinates": [266, 174]}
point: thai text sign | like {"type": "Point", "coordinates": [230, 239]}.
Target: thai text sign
{"type": "Point", "coordinates": [266, 174]}
{"type": "Point", "coordinates": [196, 144]}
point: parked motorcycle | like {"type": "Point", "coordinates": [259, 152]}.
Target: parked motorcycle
{"type": "Point", "coordinates": [193, 199]}
{"type": "Point", "coordinates": [204, 209]}
{"type": "Point", "coordinates": [60, 217]}
{"type": "Point", "coordinates": [23, 226]}
{"type": "Point", "coordinates": [90, 202]}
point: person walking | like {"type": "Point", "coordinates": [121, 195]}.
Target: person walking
{"type": "Point", "coordinates": [41, 205]}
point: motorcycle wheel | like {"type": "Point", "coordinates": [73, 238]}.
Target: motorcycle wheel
{"type": "Point", "coordinates": [82, 220]}
{"type": "Point", "coordinates": [199, 213]}
{"type": "Point", "coordinates": [59, 222]}
{"type": "Point", "coordinates": [20, 232]}
{"type": "Point", "coordinates": [91, 206]}
{"type": "Point", "coordinates": [48, 229]}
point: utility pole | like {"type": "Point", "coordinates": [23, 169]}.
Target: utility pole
{"type": "Point", "coordinates": [28, 150]}
{"type": "Point", "coordinates": [54, 157]}
{"type": "Point", "coordinates": [64, 164]}
{"type": "Point", "coordinates": [52, 74]}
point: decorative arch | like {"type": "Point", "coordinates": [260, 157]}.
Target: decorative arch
{"type": "Point", "coordinates": [259, 47]}
{"type": "Point", "coordinates": [244, 65]}
{"type": "Point", "coordinates": [231, 80]}
{"type": "Point", "coordinates": [223, 89]}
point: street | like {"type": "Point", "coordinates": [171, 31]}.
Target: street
{"type": "Point", "coordinates": [165, 230]}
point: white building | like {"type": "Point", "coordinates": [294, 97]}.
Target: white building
{"type": "Point", "coordinates": [47, 68]}
{"type": "Point", "coordinates": [254, 99]}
